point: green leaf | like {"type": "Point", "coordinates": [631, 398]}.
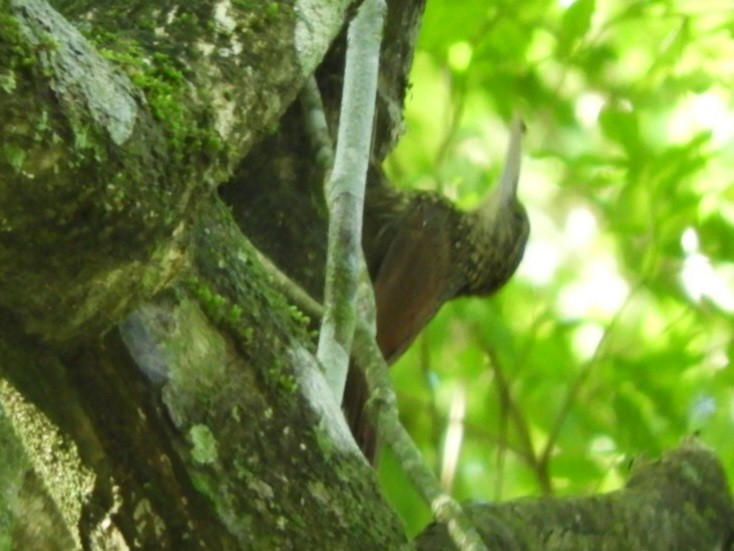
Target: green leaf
{"type": "Point", "coordinates": [575, 24]}
{"type": "Point", "coordinates": [621, 125]}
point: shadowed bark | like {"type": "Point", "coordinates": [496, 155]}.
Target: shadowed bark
{"type": "Point", "coordinates": [679, 502]}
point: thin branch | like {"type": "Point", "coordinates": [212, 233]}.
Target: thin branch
{"type": "Point", "coordinates": [580, 379]}
{"type": "Point", "coordinates": [295, 293]}
{"type": "Point", "coordinates": [345, 192]}
{"type": "Point", "coordinates": [518, 419]}
{"type": "Point", "coordinates": [478, 431]}
{"type": "Point", "coordinates": [503, 393]}
{"type": "Point", "coordinates": [433, 413]}
{"type": "Point", "coordinates": [382, 408]}
{"type": "Point", "coordinates": [316, 125]}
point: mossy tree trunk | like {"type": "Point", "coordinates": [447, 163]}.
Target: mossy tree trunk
{"type": "Point", "coordinates": [201, 422]}
{"type": "Point", "coordinates": [156, 390]}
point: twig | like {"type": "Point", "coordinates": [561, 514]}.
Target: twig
{"type": "Point", "coordinates": [316, 125]}
{"type": "Point", "coordinates": [382, 408]}
{"type": "Point", "coordinates": [514, 413]}
{"type": "Point", "coordinates": [580, 379]}
{"type": "Point", "coordinates": [503, 393]}
{"type": "Point", "coordinates": [433, 413]}
{"type": "Point", "coordinates": [345, 192]}
{"type": "Point", "coordinates": [305, 302]}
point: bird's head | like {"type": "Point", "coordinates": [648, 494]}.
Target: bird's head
{"type": "Point", "coordinates": [500, 225]}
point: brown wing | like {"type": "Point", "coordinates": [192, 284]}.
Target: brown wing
{"type": "Point", "coordinates": [355, 398]}
{"type": "Point", "coordinates": [384, 210]}
{"type": "Point", "coordinates": [410, 286]}
{"type": "Point", "coordinates": [412, 279]}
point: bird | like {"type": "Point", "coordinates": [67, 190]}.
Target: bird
{"type": "Point", "coordinates": [421, 251]}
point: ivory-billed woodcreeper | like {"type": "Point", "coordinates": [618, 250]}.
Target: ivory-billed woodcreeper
{"type": "Point", "coordinates": [422, 251]}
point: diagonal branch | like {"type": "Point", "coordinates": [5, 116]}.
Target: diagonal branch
{"type": "Point", "coordinates": [382, 408]}
{"type": "Point", "coordinates": [345, 192]}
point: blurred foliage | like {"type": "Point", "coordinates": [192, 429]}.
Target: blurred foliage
{"type": "Point", "coordinates": [615, 337]}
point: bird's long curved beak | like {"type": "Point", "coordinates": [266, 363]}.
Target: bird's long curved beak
{"type": "Point", "coordinates": [507, 186]}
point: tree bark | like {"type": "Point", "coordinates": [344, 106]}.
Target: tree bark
{"type": "Point", "coordinates": [680, 502]}
{"type": "Point", "coordinates": [113, 143]}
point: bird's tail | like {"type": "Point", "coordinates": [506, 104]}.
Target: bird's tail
{"type": "Point", "coordinates": [355, 399]}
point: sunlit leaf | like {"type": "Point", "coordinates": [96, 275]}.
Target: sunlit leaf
{"type": "Point", "coordinates": [575, 24]}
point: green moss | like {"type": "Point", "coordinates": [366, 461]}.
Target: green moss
{"type": "Point", "coordinates": [48, 43]}
{"type": "Point", "coordinates": [203, 444]}
{"type": "Point", "coordinates": [323, 441]}
{"type": "Point", "coordinates": [56, 148]}
{"type": "Point", "coordinates": [285, 381]}
{"type": "Point", "coordinates": [7, 82]}
{"type": "Point", "coordinates": [234, 314]}
{"type": "Point", "coordinates": [163, 81]}
{"type": "Point", "coordinates": [231, 317]}
{"type": "Point", "coordinates": [299, 317]}
{"type": "Point", "coordinates": [14, 155]}
{"type": "Point", "coordinates": [204, 485]}
{"type": "Point", "coordinates": [15, 51]}
{"type": "Point", "coordinates": [221, 310]}
{"type": "Point", "coordinates": [246, 4]}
